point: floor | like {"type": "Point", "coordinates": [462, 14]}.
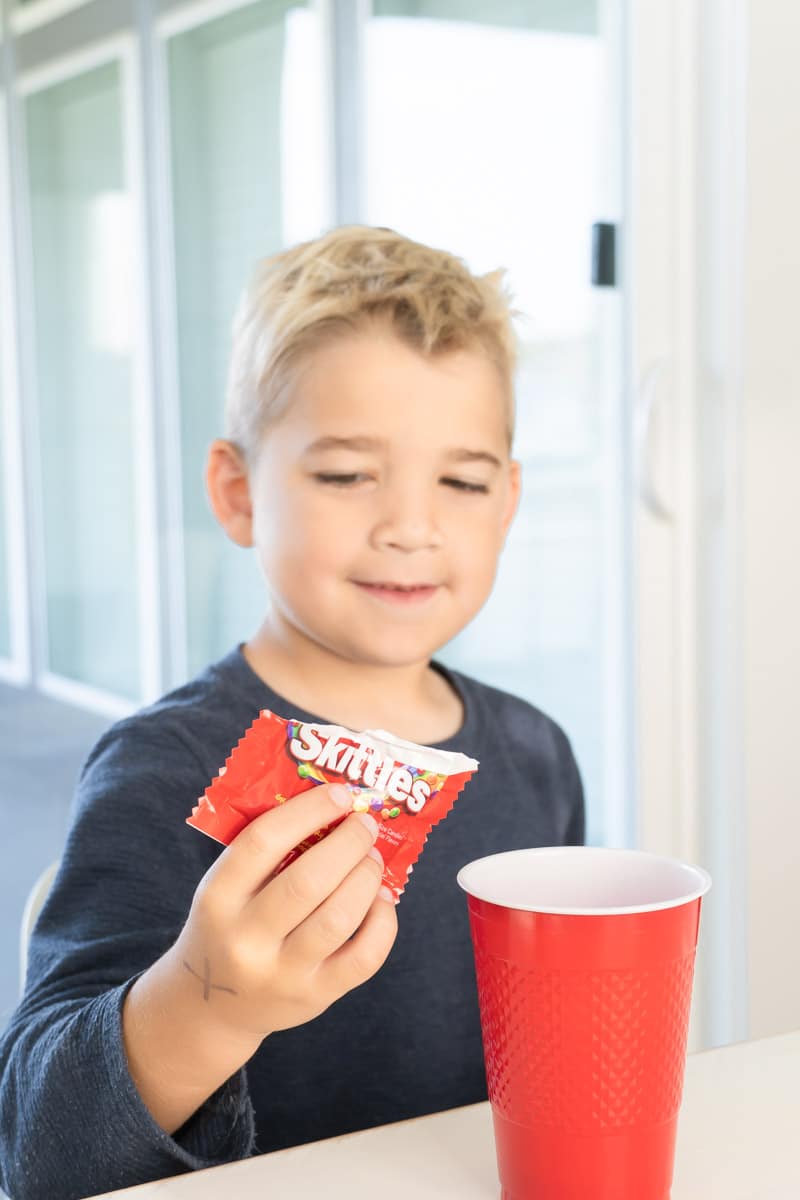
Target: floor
{"type": "Point", "coordinates": [43, 744]}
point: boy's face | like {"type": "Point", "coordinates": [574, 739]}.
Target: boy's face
{"type": "Point", "coordinates": [380, 499]}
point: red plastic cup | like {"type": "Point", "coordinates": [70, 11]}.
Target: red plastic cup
{"type": "Point", "coordinates": [584, 959]}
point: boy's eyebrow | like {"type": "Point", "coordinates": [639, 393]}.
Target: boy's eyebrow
{"type": "Point", "coordinates": [332, 442]}
{"type": "Point", "coordinates": [474, 456]}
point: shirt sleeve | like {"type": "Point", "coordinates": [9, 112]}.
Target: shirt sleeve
{"type": "Point", "coordinates": [72, 1123]}
{"type": "Point", "coordinates": [571, 789]}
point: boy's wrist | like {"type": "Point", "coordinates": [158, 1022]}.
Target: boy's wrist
{"type": "Point", "coordinates": [177, 1055]}
{"type": "Point", "coordinates": [189, 990]}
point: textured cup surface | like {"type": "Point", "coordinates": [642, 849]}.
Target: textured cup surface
{"type": "Point", "coordinates": [584, 962]}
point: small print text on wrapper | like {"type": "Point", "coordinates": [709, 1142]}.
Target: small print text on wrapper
{"type": "Point", "coordinates": [406, 787]}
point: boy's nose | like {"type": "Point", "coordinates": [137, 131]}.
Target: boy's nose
{"type": "Point", "coordinates": [406, 522]}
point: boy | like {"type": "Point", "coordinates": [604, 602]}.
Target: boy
{"type": "Point", "coordinates": [185, 1006]}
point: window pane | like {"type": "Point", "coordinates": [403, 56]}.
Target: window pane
{"type": "Point", "coordinates": [511, 173]}
{"type": "Point", "coordinates": [560, 16]}
{"type": "Point", "coordinates": [247, 163]}
{"type": "Point", "coordinates": [83, 289]}
{"type": "Point", "coordinates": [6, 450]}
{"type": "Point", "coordinates": [5, 598]}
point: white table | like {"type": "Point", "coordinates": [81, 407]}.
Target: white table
{"type": "Point", "coordinates": [738, 1139]}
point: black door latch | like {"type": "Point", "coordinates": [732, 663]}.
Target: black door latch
{"type": "Point", "coordinates": [604, 265]}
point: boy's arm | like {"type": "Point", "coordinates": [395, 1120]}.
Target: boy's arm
{"type": "Point", "coordinates": [113, 1094]}
{"type": "Point", "coordinates": [72, 1121]}
{"type": "Point", "coordinates": [175, 1061]}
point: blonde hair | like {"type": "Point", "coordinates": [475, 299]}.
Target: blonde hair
{"type": "Point", "coordinates": [339, 285]}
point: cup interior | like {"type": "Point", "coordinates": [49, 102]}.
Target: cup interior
{"type": "Point", "coordinates": [583, 880]}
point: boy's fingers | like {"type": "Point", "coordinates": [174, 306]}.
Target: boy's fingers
{"type": "Point", "coordinates": [244, 866]}
{"type": "Point", "coordinates": [337, 918]}
{"type": "Point", "coordinates": [312, 878]}
{"type": "Point", "coordinates": [359, 959]}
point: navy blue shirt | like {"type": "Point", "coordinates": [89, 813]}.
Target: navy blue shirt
{"type": "Point", "coordinates": [405, 1043]}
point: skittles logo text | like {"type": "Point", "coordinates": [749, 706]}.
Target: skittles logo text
{"type": "Point", "coordinates": [361, 764]}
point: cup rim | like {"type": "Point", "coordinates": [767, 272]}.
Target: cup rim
{"type": "Point", "coordinates": [703, 877]}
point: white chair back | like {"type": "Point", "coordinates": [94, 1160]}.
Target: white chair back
{"type": "Point", "coordinates": [33, 906]}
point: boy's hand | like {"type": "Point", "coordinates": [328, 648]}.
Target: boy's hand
{"type": "Point", "coordinates": [266, 952]}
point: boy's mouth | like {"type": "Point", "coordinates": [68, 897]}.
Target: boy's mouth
{"type": "Point", "coordinates": [398, 593]}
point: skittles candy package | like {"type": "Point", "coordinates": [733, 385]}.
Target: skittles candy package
{"type": "Point", "coordinates": [407, 788]}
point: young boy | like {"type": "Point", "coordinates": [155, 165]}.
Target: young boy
{"type": "Point", "coordinates": [185, 1006]}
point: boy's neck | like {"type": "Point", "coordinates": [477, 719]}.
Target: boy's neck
{"type": "Point", "coordinates": [412, 701]}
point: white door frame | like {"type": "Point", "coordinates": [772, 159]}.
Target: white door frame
{"type": "Point", "coordinates": [686, 208]}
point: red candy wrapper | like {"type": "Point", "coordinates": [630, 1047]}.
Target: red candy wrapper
{"type": "Point", "coordinates": [406, 787]}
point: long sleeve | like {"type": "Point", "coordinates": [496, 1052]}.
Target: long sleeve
{"type": "Point", "coordinates": [570, 787]}
{"type": "Point", "coordinates": [72, 1123]}
{"type": "Point", "coordinates": [576, 829]}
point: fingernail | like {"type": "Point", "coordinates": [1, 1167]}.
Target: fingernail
{"type": "Point", "coordinates": [376, 854]}
{"type": "Point", "coordinates": [340, 795]}
{"type": "Point", "coordinates": [370, 822]}
{"type": "Point", "coordinates": [385, 894]}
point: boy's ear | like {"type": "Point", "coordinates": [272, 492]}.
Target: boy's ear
{"type": "Point", "coordinates": [228, 486]}
{"type": "Point", "coordinates": [514, 493]}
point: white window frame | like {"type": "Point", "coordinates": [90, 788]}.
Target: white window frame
{"type": "Point", "coordinates": [123, 50]}
{"type": "Point", "coordinates": [619, 817]}
{"type": "Point", "coordinates": [17, 668]}
{"type": "Point", "coordinates": [24, 17]}
{"type": "Point", "coordinates": [192, 16]}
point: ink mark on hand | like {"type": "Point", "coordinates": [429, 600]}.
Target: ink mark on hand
{"type": "Point", "coordinates": [208, 986]}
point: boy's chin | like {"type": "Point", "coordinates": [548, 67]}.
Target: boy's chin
{"type": "Point", "coordinates": [397, 652]}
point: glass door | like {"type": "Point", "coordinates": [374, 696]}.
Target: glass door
{"type": "Point", "coordinates": [249, 174]}
{"type": "Point", "coordinates": [490, 131]}
{"type": "Point", "coordinates": [91, 425]}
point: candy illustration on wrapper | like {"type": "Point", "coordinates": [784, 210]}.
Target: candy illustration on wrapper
{"type": "Point", "coordinates": [407, 787]}
{"type": "Point", "coordinates": [312, 773]}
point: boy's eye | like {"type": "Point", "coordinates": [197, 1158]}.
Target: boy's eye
{"type": "Point", "coordinates": [462, 485]}
{"type": "Point", "coordinates": [334, 478]}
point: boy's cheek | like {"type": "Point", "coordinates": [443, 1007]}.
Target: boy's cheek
{"type": "Point", "coordinates": [484, 559]}
{"type": "Point", "coordinates": [483, 533]}
{"type": "Point", "coordinates": [322, 549]}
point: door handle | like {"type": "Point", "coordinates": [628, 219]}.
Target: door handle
{"type": "Point", "coordinates": [646, 402]}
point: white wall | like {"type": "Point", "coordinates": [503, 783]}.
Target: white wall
{"type": "Point", "coordinates": [771, 515]}
{"type": "Point", "coordinates": [714, 243]}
